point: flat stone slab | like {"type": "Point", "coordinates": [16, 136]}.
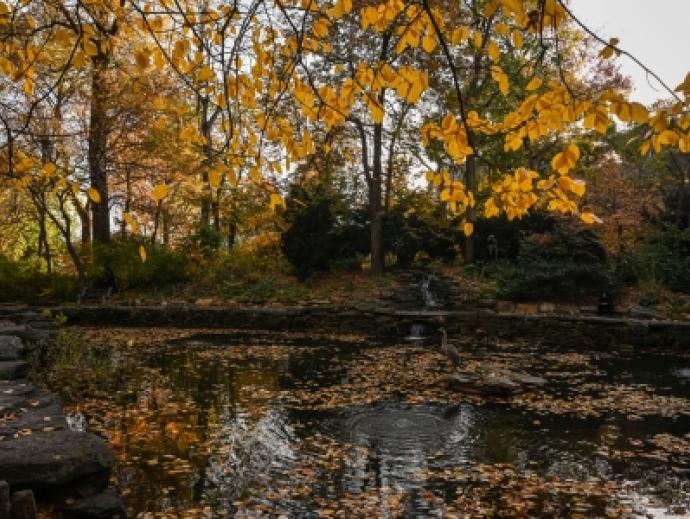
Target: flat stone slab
{"type": "Point", "coordinates": [495, 385]}
{"type": "Point", "coordinates": [11, 347]}
{"type": "Point", "coordinates": [106, 505]}
{"type": "Point", "coordinates": [57, 459]}
{"type": "Point", "coordinates": [13, 369]}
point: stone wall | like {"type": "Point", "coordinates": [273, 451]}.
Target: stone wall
{"type": "Point", "coordinates": [388, 323]}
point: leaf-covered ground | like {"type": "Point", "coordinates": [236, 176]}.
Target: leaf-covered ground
{"type": "Point", "coordinates": [229, 424]}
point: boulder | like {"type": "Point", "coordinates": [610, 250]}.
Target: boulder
{"type": "Point", "coordinates": [11, 347]}
{"type": "Point", "coordinates": [5, 503]}
{"type": "Point", "coordinates": [13, 369]}
{"type": "Point", "coordinates": [23, 505]}
{"type": "Point", "coordinates": [499, 386]}
{"type": "Point", "coordinates": [106, 505]}
{"type": "Point", "coordinates": [640, 312]}
{"type": "Point", "coordinates": [51, 460]}
{"type": "Point", "coordinates": [494, 385]}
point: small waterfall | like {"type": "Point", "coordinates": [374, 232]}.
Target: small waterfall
{"type": "Point", "coordinates": [416, 332]}
{"type": "Point", "coordinates": [428, 296]}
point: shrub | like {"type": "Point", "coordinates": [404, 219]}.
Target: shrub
{"type": "Point", "coordinates": [508, 234]}
{"type": "Point", "coordinates": [118, 264]}
{"type": "Point", "coordinates": [321, 231]}
{"type": "Point", "coordinates": [534, 281]}
{"type": "Point", "coordinates": [663, 260]}
{"type": "Point", "coordinates": [417, 227]}
{"type": "Point", "coordinates": [567, 262]}
{"type": "Point", "coordinates": [26, 283]}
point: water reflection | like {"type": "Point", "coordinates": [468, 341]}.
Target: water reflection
{"type": "Point", "coordinates": [209, 427]}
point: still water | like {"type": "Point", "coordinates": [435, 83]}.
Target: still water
{"type": "Point", "coordinates": [264, 425]}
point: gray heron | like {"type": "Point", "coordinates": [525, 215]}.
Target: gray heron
{"type": "Point", "coordinates": [448, 349]}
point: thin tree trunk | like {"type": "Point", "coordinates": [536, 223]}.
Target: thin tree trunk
{"type": "Point", "coordinates": [216, 210]}
{"type": "Point", "coordinates": [128, 201]}
{"type": "Point", "coordinates": [205, 128]}
{"type": "Point", "coordinates": [166, 227]}
{"type": "Point", "coordinates": [43, 245]}
{"type": "Point", "coordinates": [98, 137]}
{"type": "Point", "coordinates": [156, 222]}
{"type": "Point", "coordinates": [470, 216]}
{"type": "Point", "coordinates": [376, 209]}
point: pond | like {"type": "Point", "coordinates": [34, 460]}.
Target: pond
{"type": "Point", "coordinates": [232, 424]}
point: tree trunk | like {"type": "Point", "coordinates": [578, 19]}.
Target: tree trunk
{"type": "Point", "coordinates": [166, 227]}
{"type": "Point", "coordinates": [98, 139]}
{"type": "Point", "coordinates": [376, 215]}
{"type": "Point", "coordinates": [471, 186]}
{"type": "Point", "coordinates": [43, 245]}
{"type": "Point", "coordinates": [216, 210]}
{"type": "Point", "coordinates": [128, 202]}
{"type": "Point", "coordinates": [205, 128]}
{"type": "Point", "coordinates": [376, 210]}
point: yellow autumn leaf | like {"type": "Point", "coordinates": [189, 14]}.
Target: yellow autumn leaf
{"type": "Point", "coordinates": [276, 200]}
{"type": "Point", "coordinates": [376, 110]}
{"type": "Point", "coordinates": [142, 253]}
{"type": "Point", "coordinates": [477, 39]}
{"type": "Point", "coordinates": [90, 48]}
{"type": "Point", "coordinates": [590, 218]}
{"type": "Point", "coordinates": [490, 208]}
{"type": "Point", "coordinates": [142, 59]}
{"type": "Point", "coordinates": [468, 228]}
{"type": "Point", "coordinates": [429, 43]}
{"type": "Point", "coordinates": [578, 187]}
{"type": "Point", "coordinates": [94, 195]}
{"type": "Point", "coordinates": [459, 34]}
{"type": "Point", "coordinates": [533, 84]}
{"type": "Point", "coordinates": [517, 39]}
{"type": "Point", "coordinates": [131, 222]}
{"type": "Point", "coordinates": [493, 51]}
{"type": "Point", "coordinates": [48, 169]}
{"type": "Point", "coordinates": [609, 50]}
{"type": "Point", "coordinates": [214, 177]}
{"type": "Point", "coordinates": [206, 73]}
{"type": "Point", "coordinates": [684, 144]}
{"type": "Point", "coordinates": [639, 113]}
{"type": "Point", "coordinates": [159, 192]}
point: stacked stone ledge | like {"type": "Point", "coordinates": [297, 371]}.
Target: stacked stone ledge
{"type": "Point", "coordinates": [40, 457]}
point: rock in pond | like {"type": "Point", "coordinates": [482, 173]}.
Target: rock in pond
{"type": "Point", "coordinates": [11, 369]}
{"type": "Point", "coordinates": [106, 505]}
{"type": "Point", "coordinates": [504, 384]}
{"type": "Point", "coordinates": [23, 505]}
{"type": "Point", "coordinates": [57, 459]}
{"type": "Point", "coordinates": [11, 347]}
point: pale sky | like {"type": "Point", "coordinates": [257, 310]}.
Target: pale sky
{"type": "Point", "coordinates": [657, 32]}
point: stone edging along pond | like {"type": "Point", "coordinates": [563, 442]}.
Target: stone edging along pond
{"type": "Point", "coordinates": [385, 322]}
{"type": "Point", "coordinates": [40, 456]}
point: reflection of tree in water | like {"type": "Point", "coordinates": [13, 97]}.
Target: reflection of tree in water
{"type": "Point", "coordinates": [263, 429]}
{"type": "Point", "coordinates": [182, 405]}
{"type": "Point", "coordinates": [245, 452]}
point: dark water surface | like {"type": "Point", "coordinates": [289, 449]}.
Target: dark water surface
{"type": "Point", "coordinates": [216, 425]}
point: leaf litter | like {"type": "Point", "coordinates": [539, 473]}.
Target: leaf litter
{"type": "Point", "coordinates": [224, 426]}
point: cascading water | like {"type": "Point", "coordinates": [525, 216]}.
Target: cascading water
{"type": "Point", "coordinates": [428, 296]}
{"type": "Point", "coordinates": [416, 332]}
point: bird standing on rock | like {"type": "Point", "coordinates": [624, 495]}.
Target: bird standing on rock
{"type": "Point", "coordinates": [448, 349]}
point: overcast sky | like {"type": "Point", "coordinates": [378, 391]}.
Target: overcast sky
{"type": "Point", "coordinates": [657, 32]}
